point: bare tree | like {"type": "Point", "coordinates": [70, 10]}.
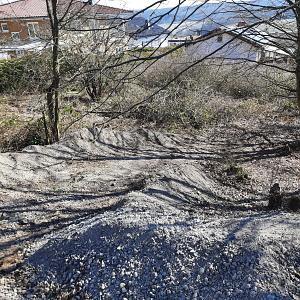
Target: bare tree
{"type": "Point", "coordinates": [76, 24]}
{"type": "Point", "coordinates": [105, 57]}
{"type": "Point", "coordinates": [53, 90]}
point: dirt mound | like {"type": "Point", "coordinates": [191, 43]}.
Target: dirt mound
{"type": "Point", "coordinates": [141, 214]}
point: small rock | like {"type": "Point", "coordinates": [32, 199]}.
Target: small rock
{"type": "Point", "coordinates": [253, 294]}
{"type": "Point", "coordinates": [122, 285]}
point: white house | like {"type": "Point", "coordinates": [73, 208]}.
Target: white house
{"type": "Point", "coordinates": [144, 34]}
{"type": "Point", "coordinates": [235, 44]}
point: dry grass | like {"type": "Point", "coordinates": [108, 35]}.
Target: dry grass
{"type": "Point", "coordinates": [203, 96]}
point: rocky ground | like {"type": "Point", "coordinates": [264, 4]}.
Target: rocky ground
{"type": "Point", "coordinates": [141, 214]}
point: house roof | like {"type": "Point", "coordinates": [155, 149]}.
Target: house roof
{"type": "Point", "coordinates": [259, 39]}
{"type": "Point", "coordinates": [37, 8]}
{"type": "Point", "coordinates": [108, 10]}
{"type": "Point", "coordinates": [23, 9]}
{"type": "Point", "coordinates": [250, 36]}
{"type": "Point", "coordinates": [138, 27]}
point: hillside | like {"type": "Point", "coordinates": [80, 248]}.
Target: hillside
{"type": "Point", "coordinates": [224, 13]}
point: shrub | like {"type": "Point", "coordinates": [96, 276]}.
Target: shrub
{"type": "Point", "coordinates": [10, 74]}
{"type": "Point", "coordinates": [173, 107]}
{"type": "Point", "coordinates": [203, 95]}
{"type": "Point", "coordinates": [237, 171]}
{"type": "Point", "coordinates": [238, 81]}
{"type": "Point", "coordinates": [18, 137]}
{"type": "Point", "coordinates": [289, 105]}
{"type": "Point", "coordinates": [28, 74]}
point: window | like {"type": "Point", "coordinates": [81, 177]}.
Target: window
{"type": "Point", "coordinates": [33, 30]}
{"type": "Point", "coordinates": [4, 27]}
{"type": "Point", "coordinates": [15, 36]}
{"type": "Point", "coordinates": [261, 55]}
{"type": "Point", "coordinates": [220, 38]}
{"type": "Point", "coordinates": [20, 53]}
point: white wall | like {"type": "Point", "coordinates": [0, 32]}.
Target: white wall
{"type": "Point", "coordinates": [4, 55]}
{"type": "Point", "coordinates": [236, 49]}
{"type": "Point", "coordinates": [152, 42]}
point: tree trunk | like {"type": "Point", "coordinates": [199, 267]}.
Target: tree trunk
{"type": "Point", "coordinates": [298, 81]}
{"type": "Point", "coordinates": [297, 14]}
{"type": "Point", "coordinates": [53, 90]}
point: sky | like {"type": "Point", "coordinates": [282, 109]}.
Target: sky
{"type": "Point", "coordinates": [132, 4]}
{"type": "Point", "coordinates": [139, 4]}
{"type": "Point", "coordinates": [135, 4]}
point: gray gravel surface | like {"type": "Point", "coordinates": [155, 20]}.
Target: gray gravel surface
{"type": "Point", "coordinates": [145, 215]}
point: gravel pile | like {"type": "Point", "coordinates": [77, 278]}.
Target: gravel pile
{"type": "Point", "coordinates": [172, 230]}
{"type": "Point", "coordinates": [152, 252]}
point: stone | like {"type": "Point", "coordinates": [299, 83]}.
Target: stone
{"type": "Point", "coordinates": [293, 203]}
{"type": "Point", "coordinates": [253, 294]}
{"type": "Point", "coordinates": [275, 197]}
{"type": "Point", "coordinates": [122, 285]}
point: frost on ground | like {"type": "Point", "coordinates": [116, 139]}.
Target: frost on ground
{"type": "Point", "coordinates": [138, 214]}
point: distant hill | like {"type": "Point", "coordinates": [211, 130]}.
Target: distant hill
{"type": "Point", "coordinates": [224, 13]}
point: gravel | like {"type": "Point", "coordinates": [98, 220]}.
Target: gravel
{"type": "Point", "coordinates": [170, 230]}
{"type": "Point", "coordinates": [186, 257]}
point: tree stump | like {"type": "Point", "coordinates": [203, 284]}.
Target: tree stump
{"type": "Point", "coordinates": [275, 197]}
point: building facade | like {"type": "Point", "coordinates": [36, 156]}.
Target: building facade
{"type": "Point", "coordinates": [25, 25]}
{"type": "Point", "coordinates": [234, 45]}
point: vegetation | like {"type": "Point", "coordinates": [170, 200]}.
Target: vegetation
{"type": "Point", "coordinates": [26, 75]}
{"type": "Point", "coordinates": [204, 95]}
{"type": "Point", "coordinates": [201, 97]}
{"type": "Point", "coordinates": [17, 134]}
{"type": "Point", "coordinates": [161, 86]}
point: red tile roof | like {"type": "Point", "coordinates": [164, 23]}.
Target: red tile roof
{"type": "Point", "coordinates": [38, 8]}
{"type": "Point", "coordinates": [107, 10]}
{"type": "Point", "coordinates": [23, 9]}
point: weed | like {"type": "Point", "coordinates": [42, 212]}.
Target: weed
{"type": "Point", "coordinates": [237, 171]}
{"type": "Point", "coordinates": [289, 106]}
